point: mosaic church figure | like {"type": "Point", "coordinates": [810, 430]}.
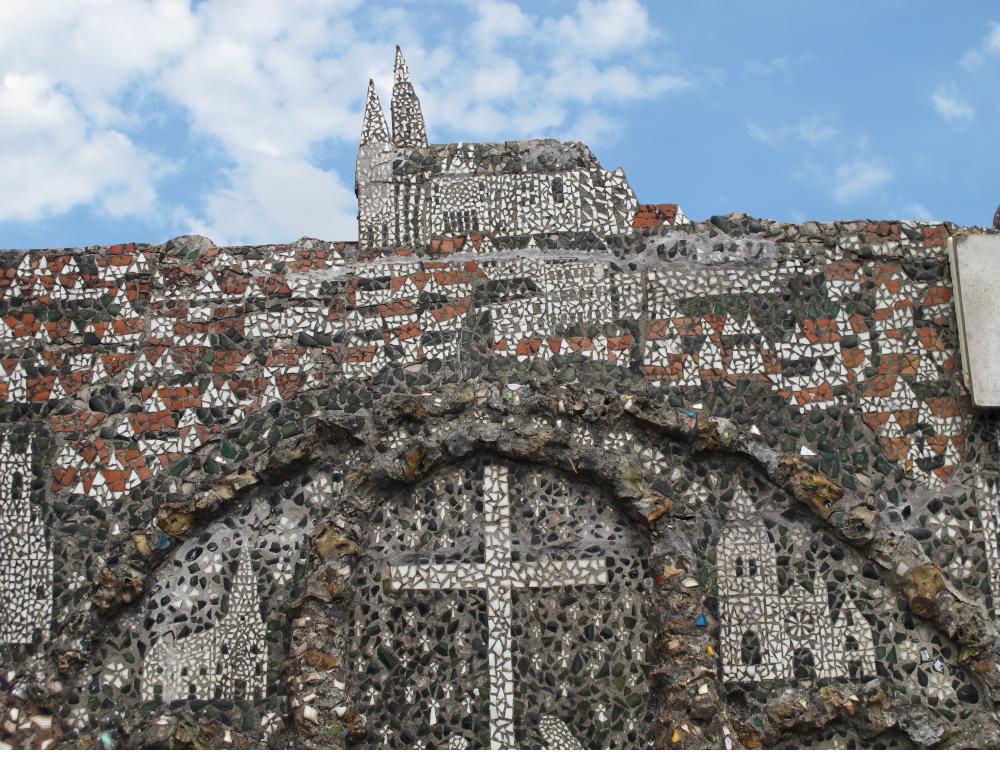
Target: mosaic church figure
{"type": "Point", "coordinates": [770, 633]}
{"type": "Point", "coordinates": [410, 192]}
{"type": "Point", "coordinates": [226, 661]}
{"type": "Point", "coordinates": [25, 556]}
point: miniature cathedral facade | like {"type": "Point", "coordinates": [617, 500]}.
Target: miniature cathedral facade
{"type": "Point", "coordinates": [410, 192]}
{"type": "Point", "coordinates": [25, 553]}
{"type": "Point", "coordinates": [226, 661]}
{"type": "Point", "coordinates": [767, 633]}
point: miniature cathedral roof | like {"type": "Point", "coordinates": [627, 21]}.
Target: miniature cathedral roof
{"type": "Point", "coordinates": [408, 128]}
{"type": "Point", "coordinates": [374, 128]}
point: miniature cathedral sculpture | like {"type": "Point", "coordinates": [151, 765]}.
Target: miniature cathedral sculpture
{"type": "Point", "coordinates": [411, 193]}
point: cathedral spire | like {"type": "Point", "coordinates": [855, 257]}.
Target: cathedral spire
{"type": "Point", "coordinates": [408, 128]}
{"type": "Point", "coordinates": [244, 601]}
{"type": "Point", "coordinates": [373, 128]}
{"type": "Point", "coordinates": [399, 69]}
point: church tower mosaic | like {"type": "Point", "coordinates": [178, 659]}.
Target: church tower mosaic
{"type": "Point", "coordinates": [226, 661]}
{"type": "Point", "coordinates": [25, 556]}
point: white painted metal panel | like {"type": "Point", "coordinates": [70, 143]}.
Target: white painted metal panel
{"type": "Point", "coordinates": [975, 270]}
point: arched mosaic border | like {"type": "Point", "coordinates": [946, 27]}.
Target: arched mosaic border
{"type": "Point", "coordinates": [405, 438]}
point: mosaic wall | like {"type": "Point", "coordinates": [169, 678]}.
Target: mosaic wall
{"type": "Point", "coordinates": [489, 570]}
{"type": "Point", "coordinates": [529, 465]}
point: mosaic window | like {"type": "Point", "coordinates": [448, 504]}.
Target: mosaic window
{"type": "Point", "coordinates": [502, 607]}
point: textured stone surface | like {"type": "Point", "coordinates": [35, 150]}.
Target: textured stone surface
{"type": "Point", "coordinates": [684, 485]}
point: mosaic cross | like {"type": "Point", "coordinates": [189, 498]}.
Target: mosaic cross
{"type": "Point", "coordinates": [499, 575]}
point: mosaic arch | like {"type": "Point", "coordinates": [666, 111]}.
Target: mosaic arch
{"type": "Point", "coordinates": [502, 606]}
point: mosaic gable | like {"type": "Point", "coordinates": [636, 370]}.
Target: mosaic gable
{"type": "Point", "coordinates": [527, 465]}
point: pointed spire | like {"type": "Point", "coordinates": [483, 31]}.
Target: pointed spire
{"type": "Point", "coordinates": [374, 128]}
{"type": "Point", "coordinates": [243, 598]}
{"type": "Point", "coordinates": [408, 128]}
{"type": "Point", "coordinates": [400, 71]}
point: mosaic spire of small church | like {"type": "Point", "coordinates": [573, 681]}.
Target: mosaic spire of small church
{"type": "Point", "coordinates": [374, 128]}
{"type": "Point", "coordinates": [408, 128]}
{"type": "Point", "coordinates": [244, 599]}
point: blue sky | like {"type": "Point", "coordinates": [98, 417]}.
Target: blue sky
{"type": "Point", "coordinates": [139, 120]}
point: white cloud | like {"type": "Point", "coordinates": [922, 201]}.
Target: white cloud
{"type": "Point", "coordinates": [260, 76]}
{"type": "Point", "coordinates": [546, 75]}
{"type": "Point", "coordinates": [266, 199]}
{"type": "Point", "coordinates": [975, 57]}
{"type": "Point", "coordinates": [848, 170]}
{"type": "Point", "coordinates": [52, 158]}
{"type": "Point", "coordinates": [776, 65]}
{"type": "Point", "coordinates": [268, 83]}
{"type": "Point", "coordinates": [951, 105]}
{"type": "Point", "coordinates": [595, 127]}
{"type": "Point", "coordinates": [601, 29]}
{"type": "Point", "coordinates": [93, 48]}
{"type": "Point", "coordinates": [501, 79]}
{"type": "Point", "coordinates": [814, 131]}
{"type": "Point", "coordinates": [859, 178]}
{"type": "Point", "coordinates": [918, 212]}
{"type": "Point", "coordinates": [772, 66]}
{"type": "Point", "coordinates": [497, 21]}
{"type": "Point", "coordinates": [585, 82]}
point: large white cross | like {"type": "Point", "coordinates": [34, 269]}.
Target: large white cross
{"type": "Point", "coordinates": [499, 574]}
